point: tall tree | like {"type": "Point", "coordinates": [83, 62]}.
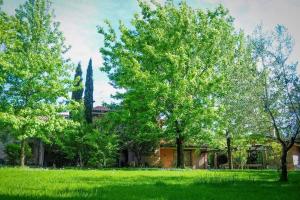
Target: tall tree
{"type": "Point", "coordinates": [78, 87]}
{"type": "Point", "coordinates": [281, 88]}
{"type": "Point", "coordinates": [170, 62]}
{"type": "Point", "coordinates": [73, 142]}
{"type": "Point", "coordinates": [238, 99]}
{"type": "Point", "coordinates": [37, 74]}
{"type": "Point", "coordinates": [88, 93]}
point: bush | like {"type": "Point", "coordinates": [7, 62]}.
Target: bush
{"type": "Point", "coordinates": [13, 153]}
{"type": "Point", "coordinates": [103, 150]}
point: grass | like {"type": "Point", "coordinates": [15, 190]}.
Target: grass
{"type": "Point", "coordinates": [43, 184]}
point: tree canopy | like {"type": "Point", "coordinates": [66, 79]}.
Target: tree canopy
{"type": "Point", "coordinates": [171, 63]}
{"type": "Point", "coordinates": [35, 73]}
{"type": "Point", "coordinates": [281, 85]}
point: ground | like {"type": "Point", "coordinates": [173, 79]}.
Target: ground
{"type": "Point", "coordinates": [43, 184]}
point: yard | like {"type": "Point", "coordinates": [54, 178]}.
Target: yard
{"type": "Point", "coordinates": [16, 184]}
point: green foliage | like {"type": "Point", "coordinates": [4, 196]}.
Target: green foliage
{"type": "Point", "coordinates": [88, 93]}
{"type": "Point", "coordinates": [274, 153]}
{"type": "Point", "coordinates": [136, 131]}
{"type": "Point", "coordinates": [39, 122]}
{"type": "Point", "coordinates": [281, 84]}
{"type": "Point", "coordinates": [103, 149]}
{"type": "Point", "coordinates": [280, 81]}
{"type": "Point", "coordinates": [240, 153]}
{"type": "Point", "coordinates": [86, 143]}
{"type": "Point", "coordinates": [33, 72]}
{"type": "Point", "coordinates": [88, 146]}
{"type": "Point", "coordinates": [169, 64]}
{"type": "Point", "coordinates": [12, 152]}
{"type": "Point", "coordinates": [239, 98]}
{"type": "Point", "coordinates": [78, 87]}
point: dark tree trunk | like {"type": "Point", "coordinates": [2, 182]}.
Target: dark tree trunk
{"type": "Point", "coordinates": [229, 151]}
{"type": "Point", "coordinates": [284, 172]}
{"type": "Point", "coordinates": [80, 159]}
{"type": "Point", "coordinates": [215, 160]}
{"type": "Point", "coordinates": [22, 153]}
{"type": "Point", "coordinates": [138, 158]}
{"type": "Point", "coordinates": [41, 153]}
{"type": "Point", "coordinates": [36, 152]}
{"type": "Point", "coordinates": [180, 152]}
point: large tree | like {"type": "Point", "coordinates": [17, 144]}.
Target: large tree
{"type": "Point", "coordinates": [88, 93]}
{"type": "Point", "coordinates": [37, 74]}
{"type": "Point", "coordinates": [281, 88]}
{"type": "Point", "coordinates": [171, 61]}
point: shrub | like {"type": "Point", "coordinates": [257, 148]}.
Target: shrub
{"type": "Point", "coordinates": [13, 153]}
{"type": "Point", "coordinates": [103, 150]}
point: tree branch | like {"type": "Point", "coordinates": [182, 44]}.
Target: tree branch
{"type": "Point", "coordinates": [293, 139]}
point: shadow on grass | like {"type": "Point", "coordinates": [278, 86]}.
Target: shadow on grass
{"type": "Point", "coordinates": [171, 188]}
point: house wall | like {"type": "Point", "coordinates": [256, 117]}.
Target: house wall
{"type": "Point", "coordinates": [167, 157]}
{"type": "Point", "coordinates": [154, 159]}
{"type": "Point", "coordinates": [293, 158]}
{"type": "Point", "coordinates": [199, 159]}
{"type": "Point", "coordinates": [128, 158]}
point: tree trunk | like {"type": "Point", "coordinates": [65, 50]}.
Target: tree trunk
{"type": "Point", "coordinates": [41, 154]}
{"type": "Point", "coordinates": [36, 152]}
{"type": "Point", "coordinates": [138, 158]}
{"type": "Point", "coordinates": [80, 159]}
{"type": "Point", "coordinates": [229, 151]}
{"type": "Point", "coordinates": [180, 152]}
{"type": "Point", "coordinates": [22, 153]}
{"type": "Point", "coordinates": [216, 161]}
{"type": "Point", "coordinates": [284, 172]}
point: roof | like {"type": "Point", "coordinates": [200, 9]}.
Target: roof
{"type": "Point", "coordinates": [100, 109]}
{"type": "Point", "coordinates": [204, 147]}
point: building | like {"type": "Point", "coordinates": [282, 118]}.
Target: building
{"type": "Point", "coordinates": [99, 111]}
{"type": "Point", "coordinates": [165, 155]}
{"type": "Point", "coordinates": [195, 157]}
{"type": "Point", "coordinates": [293, 158]}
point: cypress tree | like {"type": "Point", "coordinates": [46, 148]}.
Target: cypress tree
{"type": "Point", "coordinates": [77, 93]}
{"type": "Point", "coordinates": [88, 93]}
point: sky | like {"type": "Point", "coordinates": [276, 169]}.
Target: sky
{"type": "Point", "coordinates": [79, 20]}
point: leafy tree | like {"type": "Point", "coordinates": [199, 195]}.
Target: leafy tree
{"type": "Point", "coordinates": [103, 148]}
{"type": "Point", "coordinates": [12, 152]}
{"type": "Point", "coordinates": [36, 74]}
{"type": "Point", "coordinates": [238, 100]}
{"type": "Point", "coordinates": [73, 140]}
{"type": "Point", "coordinates": [78, 87]}
{"type": "Point", "coordinates": [86, 143]}
{"type": "Point", "coordinates": [137, 130]}
{"type": "Point", "coordinates": [281, 88]}
{"type": "Point", "coordinates": [7, 38]}
{"type": "Point", "coordinates": [170, 61]}
{"type": "Point", "coordinates": [88, 93]}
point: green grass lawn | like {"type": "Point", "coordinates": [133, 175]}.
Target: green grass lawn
{"type": "Point", "coordinates": [45, 184]}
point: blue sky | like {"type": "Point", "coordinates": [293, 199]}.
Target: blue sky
{"type": "Point", "coordinates": [79, 19]}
